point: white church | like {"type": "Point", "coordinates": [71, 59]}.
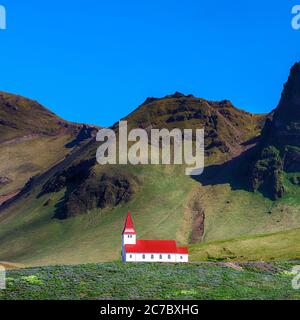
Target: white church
{"type": "Point", "coordinates": [134, 250]}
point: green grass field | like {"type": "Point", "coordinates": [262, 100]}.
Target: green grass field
{"type": "Point", "coordinates": [29, 234]}
{"type": "Point", "coordinates": [274, 246]}
{"type": "Point", "coordinates": [152, 281]}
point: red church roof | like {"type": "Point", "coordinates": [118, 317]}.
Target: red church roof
{"type": "Point", "coordinates": [129, 228]}
{"type": "Point", "coordinates": [155, 246]}
{"type": "Point", "coordinates": [182, 250]}
{"type": "Point", "coordinates": [150, 246]}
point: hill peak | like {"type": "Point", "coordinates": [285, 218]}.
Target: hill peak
{"type": "Point", "coordinates": [289, 105]}
{"type": "Point", "coordinates": [176, 95]}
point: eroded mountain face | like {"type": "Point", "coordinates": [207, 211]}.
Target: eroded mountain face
{"type": "Point", "coordinates": [85, 189]}
{"type": "Point", "coordinates": [284, 127]}
{"type": "Point", "coordinates": [279, 147]}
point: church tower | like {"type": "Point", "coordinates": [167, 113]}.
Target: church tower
{"type": "Point", "coordinates": [128, 235]}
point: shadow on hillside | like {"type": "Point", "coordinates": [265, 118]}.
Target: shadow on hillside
{"type": "Point", "coordinates": [252, 141]}
{"type": "Point", "coordinates": [84, 134]}
{"type": "Point", "coordinates": [60, 206]}
{"type": "Point", "coordinates": [234, 172]}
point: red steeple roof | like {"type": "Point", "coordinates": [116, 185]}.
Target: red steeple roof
{"type": "Point", "coordinates": [129, 228]}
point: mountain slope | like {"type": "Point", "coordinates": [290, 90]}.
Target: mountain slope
{"type": "Point", "coordinates": [20, 117]}
{"type": "Point", "coordinates": [31, 140]}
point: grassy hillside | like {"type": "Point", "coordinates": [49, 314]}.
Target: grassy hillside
{"type": "Point", "coordinates": [164, 208]}
{"type": "Point", "coordinates": [284, 245]}
{"type": "Point", "coordinates": [232, 211]}
{"type": "Point", "coordinates": [32, 236]}
{"type": "Point", "coordinates": [153, 281]}
{"type": "Point", "coordinates": [24, 159]}
{"type": "Point", "coordinates": [166, 204]}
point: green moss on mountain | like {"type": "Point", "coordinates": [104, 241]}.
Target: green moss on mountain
{"type": "Point", "coordinates": [267, 173]}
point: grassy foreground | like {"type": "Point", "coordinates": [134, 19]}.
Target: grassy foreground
{"type": "Point", "coordinates": [153, 281]}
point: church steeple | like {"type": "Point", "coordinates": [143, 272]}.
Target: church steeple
{"type": "Point", "coordinates": [128, 227]}
{"type": "Point", "coordinates": [128, 234]}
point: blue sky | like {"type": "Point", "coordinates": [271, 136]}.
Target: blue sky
{"type": "Point", "coordinates": [94, 61]}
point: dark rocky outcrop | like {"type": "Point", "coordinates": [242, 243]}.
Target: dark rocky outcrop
{"type": "Point", "coordinates": [283, 127]}
{"type": "Point", "coordinates": [106, 190]}
{"type": "Point", "coordinates": [267, 173]}
{"type": "Point", "coordinates": [74, 175]}
{"type": "Point", "coordinates": [279, 148]}
{"type": "Point", "coordinates": [292, 159]}
{"type": "Point", "coordinates": [85, 189]}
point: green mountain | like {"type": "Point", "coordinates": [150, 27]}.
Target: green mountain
{"type": "Point", "coordinates": [73, 211]}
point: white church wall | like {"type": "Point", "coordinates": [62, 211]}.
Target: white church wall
{"type": "Point", "coordinates": [130, 257]}
{"type": "Point", "coordinates": [129, 239]}
{"type": "Point", "coordinates": [182, 257]}
{"type": "Point", "coordinates": [148, 257]}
